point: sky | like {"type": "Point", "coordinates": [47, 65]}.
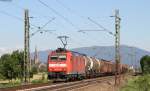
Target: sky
{"type": "Point", "coordinates": [70, 16]}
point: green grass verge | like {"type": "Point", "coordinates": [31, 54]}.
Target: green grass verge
{"type": "Point", "coordinates": [10, 84]}
{"type": "Point", "coordinates": [39, 81]}
{"type": "Point", "coordinates": [140, 83]}
{"type": "Point", "coordinates": [17, 82]}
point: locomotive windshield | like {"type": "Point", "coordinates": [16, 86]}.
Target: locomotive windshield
{"type": "Point", "coordinates": [62, 57]}
{"type": "Point", "coordinates": [58, 58]}
{"type": "Point", "coordinates": [54, 57]}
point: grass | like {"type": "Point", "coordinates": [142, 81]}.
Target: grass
{"type": "Point", "coordinates": [39, 81]}
{"type": "Point", "coordinates": [10, 84]}
{"type": "Point", "coordinates": [37, 78]}
{"type": "Point", "coordinates": [140, 83]}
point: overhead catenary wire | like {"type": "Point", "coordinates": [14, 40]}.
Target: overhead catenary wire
{"type": "Point", "coordinates": [39, 16]}
{"type": "Point", "coordinates": [104, 29]}
{"type": "Point", "coordinates": [47, 23]}
{"type": "Point", "coordinates": [73, 38]}
{"type": "Point", "coordinates": [69, 9]}
{"type": "Point", "coordinates": [40, 29]}
{"type": "Point", "coordinates": [57, 13]}
{"type": "Point", "coordinates": [53, 10]}
{"type": "Point", "coordinates": [20, 19]}
{"type": "Point", "coordinates": [75, 13]}
{"type": "Point", "coordinates": [72, 11]}
{"type": "Point", "coordinates": [15, 17]}
{"type": "Point", "coordinates": [91, 20]}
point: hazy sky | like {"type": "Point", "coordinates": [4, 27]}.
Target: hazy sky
{"type": "Point", "coordinates": [135, 28]}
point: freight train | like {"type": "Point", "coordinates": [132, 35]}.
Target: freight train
{"type": "Point", "coordinates": [68, 65]}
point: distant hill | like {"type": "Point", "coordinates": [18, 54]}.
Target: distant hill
{"type": "Point", "coordinates": [129, 55]}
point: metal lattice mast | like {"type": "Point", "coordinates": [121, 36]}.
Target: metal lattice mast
{"type": "Point", "coordinates": [26, 47]}
{"type": "Point", "coordinates": [117, 47]}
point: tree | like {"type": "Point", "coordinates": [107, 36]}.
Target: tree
{"type": "Point", "coordinates": [6, 66]}
{"type": "Point", "coordinates": [11, 65]}
{"type": "Point", "coordinates": [17, 58]}
{"type": "Point", "coordinates": [145, 64]}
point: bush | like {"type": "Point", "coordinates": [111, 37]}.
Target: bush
{"type": "Point", "coordinates": [141, 83]}
{"type": "Point", "coordinates": [145, 64]}
{"type": "Point", "coordinates": [2, 77]}
{"type": "Point", "coordinates": [39, 81]}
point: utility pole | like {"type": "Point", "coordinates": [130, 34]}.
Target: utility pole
{"type": "Point", "coordinates": [26, 47]}
{"type": "Point", "coordinates": [27, 36]}
{"type": "Point", "coordinates": [117, 48]}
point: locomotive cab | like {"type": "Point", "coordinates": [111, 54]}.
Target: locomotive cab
{"type": "Point", "coordinates": [57, 64]}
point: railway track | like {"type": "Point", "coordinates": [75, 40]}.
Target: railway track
{"type": "Point", "coordinates": [70, 85]}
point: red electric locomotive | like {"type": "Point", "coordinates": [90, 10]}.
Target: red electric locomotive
{"type": "Point", "coordinates": [65, 64]}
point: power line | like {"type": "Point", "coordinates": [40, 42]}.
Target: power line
{"type": "Point", "coordinates": [15, 17]}
{"type": "Point", "coordinates": [83, 31]}
{"type": "Point", "coordinates": [22, 8]}
{"type": "Point", "coordinates": [47, 23]}
{"type": "Point", "coordinates": [32, 11]}
{"type": "Point", "coordinates": [104, 29]}
{"type": "Point", "coordinates": [69, 9]}
{"type": "Point", "coordinates": [40, 28]}
{"type": "Point", "coordinates": [57, 13]}
{"type": "Point", "coordinates": [70, 37]}
{"type": "Point", "coordinates": [72, 11]}
{"type": "Point", "coordinates": [96, 30]}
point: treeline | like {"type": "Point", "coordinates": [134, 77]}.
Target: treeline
{"type": "Point", "coordinates": [11, 65]}
{"type": "Point", "coordinates": [145, 64]}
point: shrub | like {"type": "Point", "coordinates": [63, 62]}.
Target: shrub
{"type": "Point", "coordinates": [141, 83]}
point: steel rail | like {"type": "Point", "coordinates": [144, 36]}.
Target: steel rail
{"type": "Point", "coordinates": [69, 85]}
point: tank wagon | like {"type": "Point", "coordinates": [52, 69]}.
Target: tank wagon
{"type": "Point", "coordinates": [65, 64]}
